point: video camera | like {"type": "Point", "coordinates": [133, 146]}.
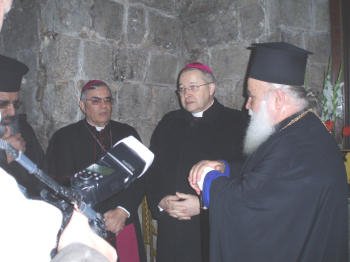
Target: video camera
{"type": "Point", "coordinates": [128, 160]}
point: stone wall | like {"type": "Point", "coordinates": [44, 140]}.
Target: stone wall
{"type": "Point", "coordinates": [138, 46]}
{"type": "Point", "coordinates": [218, 32]}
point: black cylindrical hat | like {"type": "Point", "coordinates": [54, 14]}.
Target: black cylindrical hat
{"type": "Point", "coordinates": [11, 73]}
{"type": "Point", "coordinates": [278, 62]}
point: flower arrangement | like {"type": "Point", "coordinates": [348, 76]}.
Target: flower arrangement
{"type": "Point", "coordinates": [332, 102]}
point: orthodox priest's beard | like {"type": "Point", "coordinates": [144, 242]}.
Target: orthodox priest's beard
{"type": "Point", "coordinates": [259, 130]}
{"type": "Point", "coordinates": [11, 122]}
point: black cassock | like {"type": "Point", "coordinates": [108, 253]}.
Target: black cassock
{"type": "Point", "coordinates": [32, 186]}
{"type": "Point", "coordinates": [288, 202]}
{"type": "Point", "coordinates": [74, 147]}
{"type": "Point", "coordinates": [179, 141]}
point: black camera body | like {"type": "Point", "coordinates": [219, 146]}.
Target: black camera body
{"type": "Point", "coordinates": [117, 169]}
{"type": "Point", "coordinates": [113, 172]}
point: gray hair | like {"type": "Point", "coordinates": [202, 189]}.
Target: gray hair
{"type": "Point", "coordinates": [304, 99]}
{"type": "Point", "coordinates": [93, 87]}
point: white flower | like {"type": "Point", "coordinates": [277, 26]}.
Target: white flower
{"type": "Point", "coordinates": [332, 101]}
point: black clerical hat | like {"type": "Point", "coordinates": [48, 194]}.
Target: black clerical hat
{"type": "Point", "coordinates": [278, 62]}
{"type": "Point", "coordinates": [11, 73]}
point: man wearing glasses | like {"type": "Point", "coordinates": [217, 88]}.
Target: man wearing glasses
{"type": "Point", "coordinates": [78, 145]}
{"type": "Point", "coordinates": [202, 127]}
{"type": "Point", "coordinates": [15, 129]}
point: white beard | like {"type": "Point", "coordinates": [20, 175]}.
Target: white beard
{"type": "Point", "coordinates": [259, 130]}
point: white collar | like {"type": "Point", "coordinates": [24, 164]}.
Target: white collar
{"type": "Point", "coordinates": [98, 128]}
{"type": "Point", "coordinates": [200, 114]}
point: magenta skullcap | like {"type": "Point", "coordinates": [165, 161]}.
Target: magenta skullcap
{"type": "Point", "coordinates": [199, 66]}
{"type": "Point", "coordinates": [92, 84]}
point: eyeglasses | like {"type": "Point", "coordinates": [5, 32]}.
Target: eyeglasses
{"type": "Point", "coordinates": [6, 103]}
{"type": "Point", "coordinates": [99, 100]}
{"type": "Point", "coordinates": [193, 88]}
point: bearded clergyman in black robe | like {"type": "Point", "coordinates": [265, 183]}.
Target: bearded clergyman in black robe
{"type": "Point", "coordinates": [289, 200]}
{"type": "Point", "coordinates": [14, 128]}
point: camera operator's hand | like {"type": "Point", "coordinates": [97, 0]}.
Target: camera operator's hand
{"type": "Point", "coordinates": [115, 219]}
{"type": "Point", "coordinates": [15, 140]}
{"type": "Point", "coordinates": [79, 231]}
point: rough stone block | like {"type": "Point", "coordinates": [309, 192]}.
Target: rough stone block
{"type": "Point", "coordinates": [163, 99]}
{"type": "Point", "coordinates": [98, 61]}
{"type": "Point", "coordinates": [60, 58]}
{"type": "Point", "coordinates": [145, 129]}
{"type": "Point", "coordinates": [23, 20]}
{"type": "Point", "coordinates": [107, 19]}
{"type": "Point", "coordinates": [207, 30]}
{"type": "Point", "coordinates": [230, 62]}
{"type": "Point", "coordinates": [272, 16]}
{"type": "Point", "coordinates": [121, 64]}
{"type": "Point", "coordinates": [252, 19]}
{"type": "Point", "coordinates": [130, 102]}
{"type": "Point", "coordinates": [239, 94]}
{"type": "Point", "coordinates": [273, 37]}
{"type": "Point", "coordinates": [188, 8]}
{"type": "Point", "coordinates": [139, 103]}
{"type": "Point", "coordinates": [168, 6]}
{"type": "Point", "coordinates": [142, 106]}
{"type": "Point", "coordinates": [322, 19]}
{"type": "Point", "coordinates": [315, 76]}
{"type": "Point", "coordinates": [136, 25]}
{"type": "Point", "coordinates": [320, 45]}
{"type": "Point", "coordinates": [230, 93]}
{"type": "Point", "coordinates": [294, 37]}
{"type": "Point", "coordinates": [130, 64]}
{"type": "Point", "coordinates": [66, 16]}
{"type": "Point", "coordinates": [296, 13]}
{"type": "Point", "coordinates": [162, 69]}
{"type": "Point", "coordinates": [61, 102]}
{"type": "Point", "coordinates": [30, 88]}
{"type": "Point", "coordinates": [165, 32]}
{"type": "Point", "coordinates": [201, 55]}
{"type": "Point", "coordinates": [28, 57]}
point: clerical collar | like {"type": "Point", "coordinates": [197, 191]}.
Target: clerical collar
{"type": "Point", "coordinates": [200, 114]}
{"type": "Point", "coordinates": [98, 128]}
